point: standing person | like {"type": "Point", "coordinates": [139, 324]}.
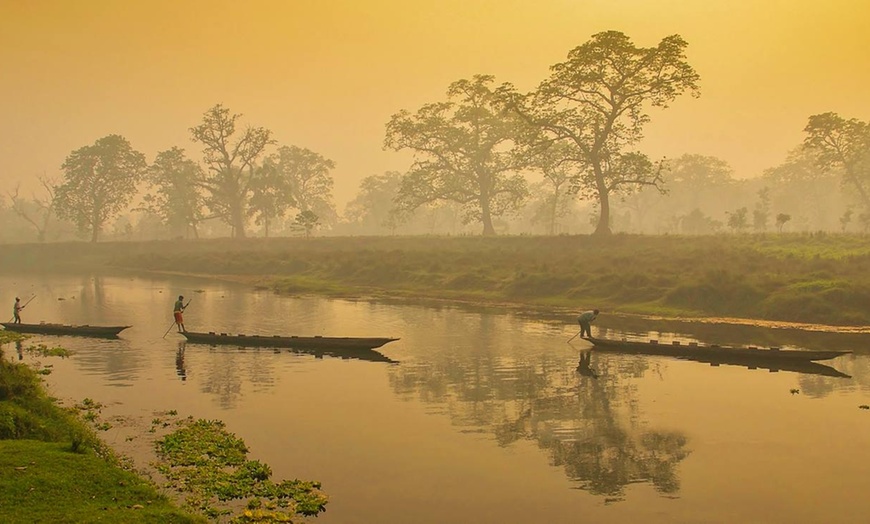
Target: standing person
{"type": "Point", "coordinates": [178, 311]}
{"type": "Point", "coordinates": [16, 311]}
{"type": "Point", "coordinates": [585, 320]}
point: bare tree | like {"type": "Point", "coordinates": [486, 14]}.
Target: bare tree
{"type": "Point", "coordinates": [38, 211]}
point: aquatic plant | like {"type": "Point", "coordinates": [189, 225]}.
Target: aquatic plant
{"type": "Point", "coordinates": [209, 466]}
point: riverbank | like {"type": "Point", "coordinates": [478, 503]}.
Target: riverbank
{"type": "Point", "coordinates": [809, 279]}
{"type": "Point", "coordinates": [53, 468]}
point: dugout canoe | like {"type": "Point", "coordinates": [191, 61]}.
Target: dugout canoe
{"type": "Point", "coordinates": [712, 352]}
{"type": "Point", "coordinates": [277, 341]}
{"type": "Point", "coordinates": [65, 329]}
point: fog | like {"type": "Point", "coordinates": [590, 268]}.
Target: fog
{"type": "Point", "coordinates": [328, 76]}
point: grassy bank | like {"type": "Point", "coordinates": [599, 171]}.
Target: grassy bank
{"type": "Point", "coordinates": [811, 278]}
{"type": "Point", "coordinates": [54, 469]}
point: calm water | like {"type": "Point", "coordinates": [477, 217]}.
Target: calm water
{"type": "Point", "coordinates": [485, 417]}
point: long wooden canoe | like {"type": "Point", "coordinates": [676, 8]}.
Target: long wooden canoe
{"type": "Point", "coordinates": [711, 352]}
{"type": "Point", "coordinates": [277, 341]}
{"type": "Point", "coordinates": [65, 329]}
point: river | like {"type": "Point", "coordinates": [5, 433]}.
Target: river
{"type": "Point", "coordinates": [483, 417]}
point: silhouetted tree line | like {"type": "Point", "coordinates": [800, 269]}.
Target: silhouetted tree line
{"type": "Point", "coordinates": [562, 158]}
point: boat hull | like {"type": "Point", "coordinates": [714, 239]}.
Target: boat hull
{"type": "Point", "coordinates": [342, 343]}
{"type": "Point", "coordinates": [65, 329]}
{"type": "Point", "coordinates": [713, 353]}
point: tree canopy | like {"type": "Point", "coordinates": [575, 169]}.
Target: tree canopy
{"type": "Point", "coordinates": [596, 101]}
{"type": "Point", "coordinates": [230, 161]}
{"type": "Point", "coordinates": [99, 182]}
{"type": "Point", "coordinates": [464, 152]}
{"type": "Point", "coordinates": [845, 145]}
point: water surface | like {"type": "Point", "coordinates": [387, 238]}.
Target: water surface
{"type": "Point", "coordinates": [484, 418]}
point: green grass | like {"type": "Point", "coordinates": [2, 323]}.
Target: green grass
{"type": "Point", "coordinates": [54, 469]}
{"type": "Point", "coordinates": [47, 482]}
{"type": "Point", "coordinates": [819, 278]}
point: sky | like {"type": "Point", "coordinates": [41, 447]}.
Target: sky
{"type": "Point", "coordinates": [328, 74]}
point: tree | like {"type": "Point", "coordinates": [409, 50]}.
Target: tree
{"type": "Point", "coordinates": [463, 152]}
{"type": "Point", "coordinates": [781, 219]}
{"type": "Point", "coordinates": [374, 206]}
{"type": "Point", "coordinates": [737, 219]}
{"type": "Point", "coordinates": [761, 213]}
{"type": "Point", "coordinates": [270, 196]}
{"type": "Point", "coordinates": [843, 144]}
{"type": "Point", "coordinates": [305, 176]}
{"type": "Point", "coordinates": [306, 221]}
{"type": "Point", "coordinates": [596, 102]}
{"type": "Point", "coordinates": [231, 163]}
{"type": "Point", "coordinates": [796, 189]}
{"type": "Point", "coordinates": [845, 219]}
{"type": "Point", "coordinates": [554, 199]}
{"type": "Point", "coordinates": [37, 212]}
{"type": "Point", "coordinates": [99, 182]}
{"type": "Point", "coordinates": [177, 199]}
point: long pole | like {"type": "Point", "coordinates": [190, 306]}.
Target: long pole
{"type": "Point", "coordinates": [572, 338]}
{"type": "Point", "coordinates": [28, 301]}
{"type": "Point", "coordinates": [173, 320]}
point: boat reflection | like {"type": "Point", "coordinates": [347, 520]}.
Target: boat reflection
{"type": "Point", "coordinates": [369, 355]}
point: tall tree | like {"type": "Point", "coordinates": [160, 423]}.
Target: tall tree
{"type": "Point", "coordinates": [176, 198]}
{"type": "Point", "coordinates": [270, 196]}
{"type": "Point", "coordinates": [842, 144]}
{"type": "Point", "coordinates": [554, 199]}
{"type": "Point", "coordinates": [463, 152]}
{"type": "Point", "coordinates": [374, 206]}
{"type": "Point", "coordinates": [231, 164]}
{"type": "Point", "coordinates": [307, 177]}
{"type": "Point", "coordinates": [596, 101]}
{"type": "Point", "coordinates": [99, 182]}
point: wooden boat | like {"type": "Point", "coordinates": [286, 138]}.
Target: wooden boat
{"type": "Point", "coordinates": [711, 352]}
{"type": "Point", "coordinates": [276, 341]}
{"type": "Point", "coordinates": [65, 329]}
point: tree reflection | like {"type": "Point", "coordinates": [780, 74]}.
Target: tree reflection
{"type": "Point", "coordinates": [587, 418]}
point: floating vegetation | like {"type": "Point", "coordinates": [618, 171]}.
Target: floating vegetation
{"type": "Point", "coordinates": [45, 351]}
{"type": "Point", "coordinates": [209, 466]}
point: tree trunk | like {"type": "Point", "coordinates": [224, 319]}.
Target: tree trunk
{"type": "Point", "coordinates": [486, 218]}
{"type": "Point", "coordinates": [95, 234]}
{"type": "Point", "coordinates": [553, 211]}
{"type": "Point", "coordinates": [603, 227]}
{"type": "Point", "coordinates": [238, 223]}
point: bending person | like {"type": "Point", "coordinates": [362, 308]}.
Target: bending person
{"type": "Point", "coordinates": [585, 320]}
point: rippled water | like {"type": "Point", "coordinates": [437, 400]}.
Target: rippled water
{"type": "Point", "coordinates": [485, 417]}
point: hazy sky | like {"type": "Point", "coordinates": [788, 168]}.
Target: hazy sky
{"type": "Point", "coordinates": [328, 74]}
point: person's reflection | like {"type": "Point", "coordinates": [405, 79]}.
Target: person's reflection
{"type": "Point", "coordinates": [179, 362]}
{"type": "Point", "coordinates": [585, 365]}
{"type": "Point", "coordinates": [19, 348]}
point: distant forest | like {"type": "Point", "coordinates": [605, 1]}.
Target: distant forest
{"type": "Point", "coordinates": [487, 159]}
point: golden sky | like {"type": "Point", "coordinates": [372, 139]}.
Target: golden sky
{"type": "Point", "coordinates": [328, 74]}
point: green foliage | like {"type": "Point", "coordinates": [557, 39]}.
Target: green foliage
{"type": "Point", "coordinates": [464, 152]}
{"type": "Point", "coordinates": [99, 182]}
{"type": "Point", "coordinates": [596, 102]}
{"type": "Point", "coordinates": [210, 466]}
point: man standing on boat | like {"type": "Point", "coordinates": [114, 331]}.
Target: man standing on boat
{"type": "Point", "coordinates": [16, 311]}
{"type": "Point", "coordinates": [178, 311]}
{"type": "Point", "coordinates": [585, 320]}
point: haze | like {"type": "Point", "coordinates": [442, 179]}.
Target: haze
{"type": "Point", "coordinates": [327, 75]}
